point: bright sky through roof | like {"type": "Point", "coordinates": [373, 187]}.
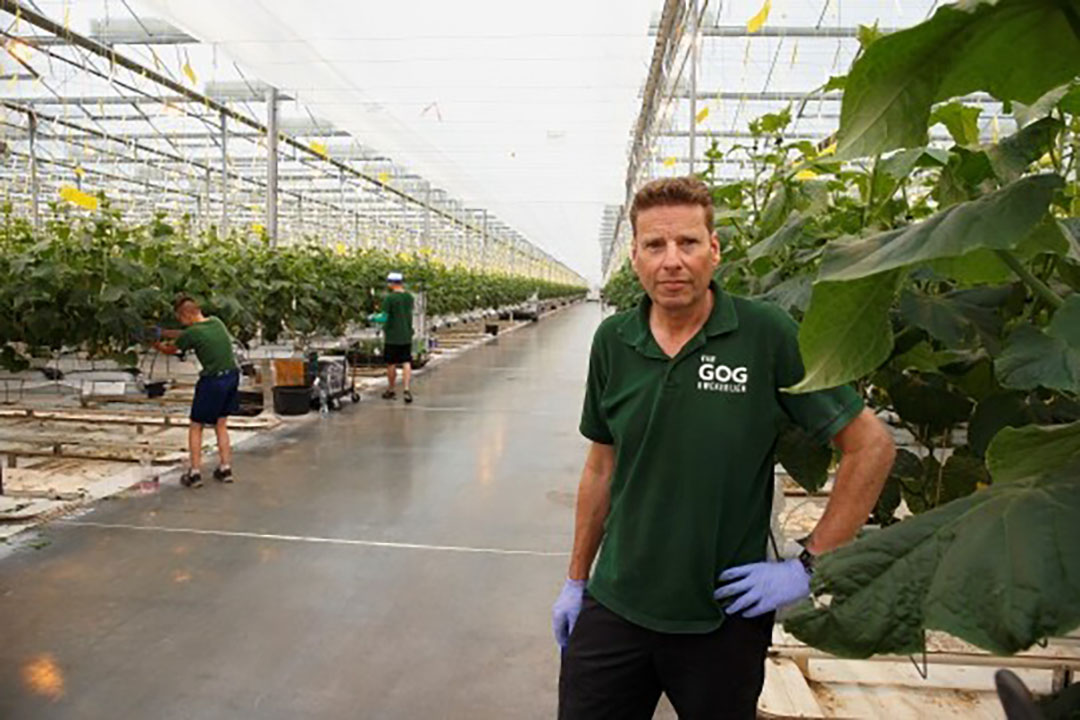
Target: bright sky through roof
{"type": "Point", "coordinates": [522, 108]}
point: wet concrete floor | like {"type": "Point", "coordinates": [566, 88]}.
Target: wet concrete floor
{"type": "Point", "coordinates": [386, 562]}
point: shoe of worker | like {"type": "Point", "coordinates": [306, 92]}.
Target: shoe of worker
{"type": "Point", "coordinates": [191, 479]}
{"type": "Point", "coordinates": [408, 397]}
{"type": "Point", "coordinates": [223, 474]}
{"type": "Point", "coordinates": [389, 395]}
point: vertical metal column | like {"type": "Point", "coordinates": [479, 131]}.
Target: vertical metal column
{"type": "Point", "coordinates": [342, 224]}
{"type": "Point", "coordinates": [224, 173]}
{"type": "Point", "coordinates": [693, 80]}
{"type": "Point", "coordinates": [427, 216]}
{"type": "Point", "coordinates": [271, 164]}
{"type": "Point", "coordinates": [35, 186]}
{"type": "Point", "coordinates": [205, 219]}
{"type": "Point", "coordinates": [484, 245]}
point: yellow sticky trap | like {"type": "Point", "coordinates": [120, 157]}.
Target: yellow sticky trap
{"type": "Point", "coordinates": [384, 177]}
{"type": "Point", "coordinates": [702, 114]}
{"type": "Point", "coordinates": [190, 73]}
{"type": "Point", "coordinates": [76, 196]}
{"type": "Point", "coordinates": [404, 257]}
{"type": "Point", "coordinates": [830, 150]}
{"type": "Point", "coordinates": [995, 129]}
{"type": "Point", "coordinates": [341, 249]}
{"type": "Point", "coordinates": [318, 148]}
{"type": "Point", "coordinates": [257, 228]}
{"type": "Point", "coordinates": [670, 161]}
{"type": "Point", "coordinates": [804, 175]}
{"type": "Point", "coordinates": [758, 21]}
{"type": "Point", "coordinates": [79, 172]}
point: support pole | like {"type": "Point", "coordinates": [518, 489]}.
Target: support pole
{"type": "Point", "coordinates": [693, 81]}
{"type": "Point", "coordinates": [224, 173]}
{"type": "Point", "coordinates": [35, 185]}
{"type": "Point", "coordinates": [484, 243]}
{"type": "Point", "coordinates": [427, 216]}
{"type": "Point", "coordinates": [209, 198]}
{"type": "Point", "coordinates": [272, 164]}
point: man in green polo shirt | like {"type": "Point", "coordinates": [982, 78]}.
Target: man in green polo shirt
{"type": "Point", "coordinates": [216, 392]}
{"type": "Point", "coordinates": [398, 335]}
{"type": "Point", "coordinates": [683, 406]}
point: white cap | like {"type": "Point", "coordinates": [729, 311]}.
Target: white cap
{"type": "Point", "coordinates": [395, 277]}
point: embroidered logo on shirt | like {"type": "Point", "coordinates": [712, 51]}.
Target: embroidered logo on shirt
{"type": "Point", "coordinates": [717, 377]}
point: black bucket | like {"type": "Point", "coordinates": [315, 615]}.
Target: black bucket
{"type": "Point", "coordinates": [155, 389]}
{"type": "Point", "coordinates": [292, 399]}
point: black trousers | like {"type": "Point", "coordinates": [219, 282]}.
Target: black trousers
{"type": "Point", "coordinates": [615, 669]}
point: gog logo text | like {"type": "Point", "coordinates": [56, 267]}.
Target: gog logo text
{"type": "Point", "coordinates": [717, 377]}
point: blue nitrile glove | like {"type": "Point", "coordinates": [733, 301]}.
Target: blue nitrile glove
{"type": "Point", "coordinates": [566, 610]}
{"type": "Point", "coordinates": [763, 587]}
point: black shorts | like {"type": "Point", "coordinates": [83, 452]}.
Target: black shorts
{"type": "Point", "coordinates": [613, 668]}
{"type": "Point", "coordinates": [215, 397]}
{"type": "Point", "coordinates": [397, 354]}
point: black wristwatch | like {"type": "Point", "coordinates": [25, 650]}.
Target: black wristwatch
{"type": "Point", "coordinates": [808, 559]}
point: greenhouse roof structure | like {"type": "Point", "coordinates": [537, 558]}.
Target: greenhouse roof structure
{"type": "Point", "coordinates": [718, 64]}
{"type": "Point", "coordinates": [502, 135]}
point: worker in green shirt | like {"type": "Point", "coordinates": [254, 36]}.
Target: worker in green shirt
{"type": "Point", "coordinates": [684, 402]}
{"type": "Point", "coordinates": [397, 305]}
{"type": "Point", "coordinates": [216, 390]}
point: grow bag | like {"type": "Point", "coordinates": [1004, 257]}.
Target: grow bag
{"type": "Point", "coordinates": [292, 399]}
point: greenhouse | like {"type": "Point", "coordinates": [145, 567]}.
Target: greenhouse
{"type": "Point", "coordinates": [661, 358]}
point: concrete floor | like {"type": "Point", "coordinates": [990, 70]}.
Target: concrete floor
{"type": "Point", "coordinates": [273, 598]}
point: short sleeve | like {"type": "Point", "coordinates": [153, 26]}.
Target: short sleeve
{"type": "Point", "coordinates": [186, 341]}
{"type": "Point", "coordinates": [822, 414]}
{"type": "Point", "coordinates": [594, 425]}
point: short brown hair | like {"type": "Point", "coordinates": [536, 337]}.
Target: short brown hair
{"type": "Point", "coordinates": [182, 300]}
{"type": "Point", "coordinates": [687, 190]}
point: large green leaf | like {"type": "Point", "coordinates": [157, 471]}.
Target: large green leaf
{"type": "Point", "coordinates": [1033, 450]}
{"type": "Point", "coordinates": [962, 122]}
{"type": "Point", "coordinates": [994, 413]}
{"type": "Point", "coordinates": [997, 568]}
{"type": "Point", "coordinates": [806, 461]}
{"type": "Point", "coordinates": [937, 315]}
{"type": "Point", "coordinates": [1011, 157]}
{"type": "Point", "coordinates": [1033, 358]}
{"type": "Point", "coordinates": [1050, 359]}
{"type": "Point", "coordinates": [846, 332]}
{"type": "Point", "coordinates": [791, 232]}
{"type": "Point", "coordinates": [997, 221]}
{"type": "Point", "coordinates": [1013, 49]}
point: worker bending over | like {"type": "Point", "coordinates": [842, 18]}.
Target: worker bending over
{"type": "Point", "coordinates": [216, 391]}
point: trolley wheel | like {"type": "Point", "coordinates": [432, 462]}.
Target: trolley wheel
{"type": "Point", "coordinates": [335, 403]}
{"type": "Point", "coordinates": [355, 396]}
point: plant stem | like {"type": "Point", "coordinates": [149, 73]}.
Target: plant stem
{"type": "Point", "coordinates": [1037, 286]}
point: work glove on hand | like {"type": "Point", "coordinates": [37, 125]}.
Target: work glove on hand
{"type": "Point", "coordinates": [763, 587]}
{"type": "Point", "coordinates": [377, 317]}
{"type": "Point", "coordinates": [566, 610]}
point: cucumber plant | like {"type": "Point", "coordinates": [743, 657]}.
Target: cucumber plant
{"type": "Point", "coordinates": [945, 283]}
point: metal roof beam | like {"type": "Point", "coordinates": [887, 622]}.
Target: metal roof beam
{"type": "Point", "coordinates": [774, 31]}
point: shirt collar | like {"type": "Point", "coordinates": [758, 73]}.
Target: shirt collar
{"type": "Point", "coordinates": [637, 334]}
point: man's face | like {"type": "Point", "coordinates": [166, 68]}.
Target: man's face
{"type": "Point", "coordinates": [186, 314]}
{"type": "Point", "coordinates": [674, 254]}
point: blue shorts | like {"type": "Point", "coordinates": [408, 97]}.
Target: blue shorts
{"type": "Point", "coordinates": [215, 397]}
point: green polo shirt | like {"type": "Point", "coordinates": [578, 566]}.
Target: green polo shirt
{"type": "Point", "coordinates": [694, 436]}
{"type": "Point", "coordinates": [212, 344]}
{"type": "Point", "coordinates": [398, 307]}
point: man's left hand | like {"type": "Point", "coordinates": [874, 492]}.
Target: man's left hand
{"type": "Point", "coordinates": [763, 587]}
